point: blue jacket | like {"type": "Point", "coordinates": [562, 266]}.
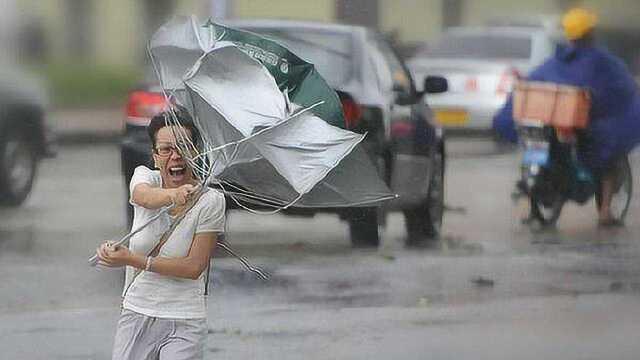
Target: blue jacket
{"type": "Point", "coordinates": [615, 107]}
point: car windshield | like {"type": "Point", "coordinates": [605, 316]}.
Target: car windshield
{"type": "Point", "coordinates": [480, 46]}
{"type": "Point", "coordinates": [330, 52]}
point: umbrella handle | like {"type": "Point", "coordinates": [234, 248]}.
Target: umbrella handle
{"type": "Point", "coordinates": [93, 261]}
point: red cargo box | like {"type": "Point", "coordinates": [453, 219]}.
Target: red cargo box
{"type": "Point", "coordinates": [560, 106]}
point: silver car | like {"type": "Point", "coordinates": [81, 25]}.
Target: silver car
{"type": "Point", "coordinates": [480, 65]}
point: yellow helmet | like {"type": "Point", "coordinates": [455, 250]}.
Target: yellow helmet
{"type": "Point", "coordinates": [578, 22]}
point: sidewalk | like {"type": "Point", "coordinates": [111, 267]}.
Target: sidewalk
{"type": "Point", "coordinates": [87, 125]}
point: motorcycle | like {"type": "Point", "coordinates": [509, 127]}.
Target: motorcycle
{"type": "Point", "coordinates": [551, 174]}
{"type": "Point", "coordinates": [551, 119]}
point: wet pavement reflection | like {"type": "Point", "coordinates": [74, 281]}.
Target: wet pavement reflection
{"type": "Point", "coordinates": [485, 259]}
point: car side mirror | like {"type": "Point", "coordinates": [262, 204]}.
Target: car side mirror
{"type": "Point", "coordinates": [398, 88]}
{"type": "Point", "coordinates": [435, 85]}
{"type": "Point", "coordinates": [403, 96]}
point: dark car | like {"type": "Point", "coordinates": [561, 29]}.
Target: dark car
{"type": "Point", "coordinates": [25, 136]}
{"type": "Point", "coordinates": [378, 97]}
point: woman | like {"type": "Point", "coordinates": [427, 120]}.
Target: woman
{"type": "Point", "coordinates": [164, 304]}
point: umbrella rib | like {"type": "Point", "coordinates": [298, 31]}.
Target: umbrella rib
{"type": "Point", "coordinates": [247, 193]}
{"type": "Point", "coordinates": [167, 98]}
{"type": "Point", "coordinates": [197, 33]}
{"type": "Point", "coordinates": [243, 260]}
{"type": "Point", "coordinates": [257, 212]}
{"type": "Point", "coordinates": [252, 198]}
{"type": "Point", "coordinates": [237, 142]}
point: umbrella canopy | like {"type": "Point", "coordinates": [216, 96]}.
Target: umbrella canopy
{"type": "Point", "coordinates": [271, 126]}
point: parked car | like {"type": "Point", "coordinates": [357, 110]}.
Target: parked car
{"type": "Point", "coordinates": [378, 97]}
{"type": "Point", "coordinates": [25, 135]}
{"type": "Point", "coordinates": [480, 65]}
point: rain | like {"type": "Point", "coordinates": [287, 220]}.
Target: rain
{"type": "Point", "coordinates": [374, 210]}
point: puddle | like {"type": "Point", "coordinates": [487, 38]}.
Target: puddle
{"type": "Point", "coordinates": [42, 330]}
{"type": "Point", "coordinates": [241, 278]}
{"type": "Point", "coordinates": [288, 252]}
{"type": "Point", "coordinates": [34, 242]}
{"type": "Point", "coordinates": [459, 245]}
{"type": "Point", "coordinates": [21, 241]}
{"type": "Point", "coordinates": [437, 322]}
{"type": "Point", "coordinates": [267, 333]}
{"type": "Point", "coordinates": [346, 300]}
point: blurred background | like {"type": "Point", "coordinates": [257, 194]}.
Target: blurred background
{"type": "Point", "coordinates": [74, 82]}
{"type": "Point", "coordinates": [89, 52]}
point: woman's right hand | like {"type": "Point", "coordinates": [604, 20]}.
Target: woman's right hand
{"type": "Point", "coordinates": [104, 252]}
{"type": "Point", "coordinates": [180, 195]}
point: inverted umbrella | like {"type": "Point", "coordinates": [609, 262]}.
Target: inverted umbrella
{"type": "Point", "coordinates": [271, 126]}
{"type": "Point", "coordinates": [269, 122]}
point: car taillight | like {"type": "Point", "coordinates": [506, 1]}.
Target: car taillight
{"type": "Point", "coordinates": [507, 80]}
{"type": "Point", "coordinates": [352, 112]}
{"type": "Point", "coordinates": [142, 106]}
{"type": "Point", "coordinates": [471, 85]}
{"type": "Point", "coordinates": [402, 129]}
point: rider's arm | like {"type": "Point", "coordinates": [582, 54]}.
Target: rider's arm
{"type": "Point", "coordinates": [614, 86]}
{"type": "Point", "coordinates": [503, 123]}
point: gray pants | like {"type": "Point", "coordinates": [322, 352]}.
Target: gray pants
{"type": "Point", "coordinates": [140, 337]}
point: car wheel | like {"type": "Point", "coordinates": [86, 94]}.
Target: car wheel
{"type": "Point", "coordinates": [414, 222]}
{"type": "Point", "coordinates": [18, 162]}
{"type": "Point", "coordinates": [424, 222]}
{"type": "Point", "coordinates": [363, 227]}
{"type": "Point", "coordinates": [435, 205]}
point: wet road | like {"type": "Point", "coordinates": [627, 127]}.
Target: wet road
{"type": "Point", "coordinates": [491, 289]}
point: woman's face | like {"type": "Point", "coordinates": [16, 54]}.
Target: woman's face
{"type": "Point", "coordinates": [174, 169]}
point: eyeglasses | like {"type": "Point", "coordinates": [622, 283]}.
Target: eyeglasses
{"type": "Point", "coordinates": [167, 150]}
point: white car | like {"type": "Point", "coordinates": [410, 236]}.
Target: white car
{"type": "Point", "coordinates": [481, 65]}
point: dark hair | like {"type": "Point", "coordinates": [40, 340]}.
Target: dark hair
{"type": "Point", "coordinates": [162, 119]}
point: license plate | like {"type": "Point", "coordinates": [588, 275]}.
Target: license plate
{"type": "Point", "coordinates": [452, 117]}
{"type": "Point", "coordinates": [536, 156]}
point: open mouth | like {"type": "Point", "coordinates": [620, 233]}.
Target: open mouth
{"type": "Point", "coordinates": [177, 171]}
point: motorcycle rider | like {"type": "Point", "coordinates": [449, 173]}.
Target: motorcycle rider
{"type": "Point", "coordinates": [614, 127]}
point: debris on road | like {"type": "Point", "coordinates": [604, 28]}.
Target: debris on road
{"type": "Point", "coordinates": [483, 282]}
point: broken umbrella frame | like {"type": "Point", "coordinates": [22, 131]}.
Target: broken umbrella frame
{"type": "Point", "coordinates": [278, 142]}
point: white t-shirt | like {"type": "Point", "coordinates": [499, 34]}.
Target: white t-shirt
{"type": "Point", "coordinates": [163, 296]}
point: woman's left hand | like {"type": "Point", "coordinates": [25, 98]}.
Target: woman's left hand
{"type": "Point", "coordinates": [113, 256]}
